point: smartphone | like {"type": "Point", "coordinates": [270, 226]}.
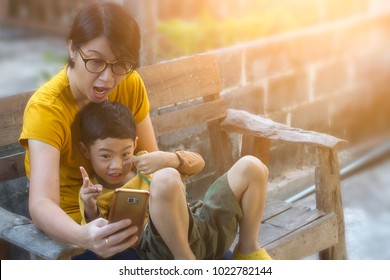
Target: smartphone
{"type": "Point", "coordinates": [129, 204]}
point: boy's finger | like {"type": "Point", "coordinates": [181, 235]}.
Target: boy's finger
{"type": "Point", "coordinates": [132, 160]}
{"type": "Point", "coordinates": [99, 188]}
{"type": "Point", "coordinates": [83, 172]}
{"type": "Point", "coordinates": [86, 181]}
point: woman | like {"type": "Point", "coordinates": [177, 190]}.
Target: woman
{"type": "Point", "coordinates": [103, 47]}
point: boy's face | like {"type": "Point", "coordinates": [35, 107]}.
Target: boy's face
{"type": "Point", "coordinates": [107, 156]}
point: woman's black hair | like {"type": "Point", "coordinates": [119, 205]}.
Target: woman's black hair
{"type": "Point", "coordinates": [114, 22]}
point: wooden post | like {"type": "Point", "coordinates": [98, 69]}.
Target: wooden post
{"type": "Point", "coordinates": [145, 13]}
{"type": "Point", "coordinates": [220, 148]}
{"type": "Point", "coordinates": [328, 198]}
{"type": "Point", "coordinates": [257, 146]}
{"type": "Point", "coordinates": [4, 10]}
{"type": "Point", "coordinates": [4, 250]}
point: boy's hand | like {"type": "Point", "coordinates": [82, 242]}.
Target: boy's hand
{"type": "Point", "coordinates": [154, 161]}
{"type": "Point", "coordinates": [89, 193]}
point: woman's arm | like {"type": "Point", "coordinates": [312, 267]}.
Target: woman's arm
{"type": "Point", "coordinates": [146, 136]}
{"type": "Point", "coordinates": [47, 215]}
{"type": "Point", "coordinates": [44, 196]}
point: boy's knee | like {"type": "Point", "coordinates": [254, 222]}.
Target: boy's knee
{"type": "Point", "coordinates": [252, 166]}
{"type": "Point", "coordinates": [164, 181]}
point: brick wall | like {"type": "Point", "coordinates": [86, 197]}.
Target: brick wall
{"type": "Point", "coordinates": [332, 78]}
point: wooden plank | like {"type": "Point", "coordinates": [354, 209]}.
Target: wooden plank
{"type": "Point", "coordinates": [274, 207]}
{"type": "Point", "coordinates": [180, 80]}
{"type": "Point", "coordinates": [306, 241]}
{"type": "Point", "coordinates": [187, 117]}
{"type": "Point", "coordinates": [240, 121]}
{"type": "Point", "coordinates": [12, 167]}
{"type": "Point", "coordinates": [20, 231]}
{"type": "Point", "coordinates": [328, 198]}
{"type": "Point", "coordinates": [11, 117]}
{"type": "Point", "coordinates": [287, 222]}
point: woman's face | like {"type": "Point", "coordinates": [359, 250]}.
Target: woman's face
{"type": "Point", "coordinates": [92, 87]}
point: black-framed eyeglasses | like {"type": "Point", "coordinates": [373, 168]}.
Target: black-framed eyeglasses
{"type": "Point", "coordinates": [98, 65]}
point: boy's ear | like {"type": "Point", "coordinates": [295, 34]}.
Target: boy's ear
{"type": "Point", "coordinates": [135, 143]}
{"type": "Point", "coordinates": [84, 150]}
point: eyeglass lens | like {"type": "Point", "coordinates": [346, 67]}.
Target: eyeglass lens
{"type": "Point", "coordinates": [98, 65]}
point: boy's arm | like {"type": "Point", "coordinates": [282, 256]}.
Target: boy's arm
{"type": "Point", "coordinates": [190, 163]}
{"type": "Point", "coordinates": [187, 163]}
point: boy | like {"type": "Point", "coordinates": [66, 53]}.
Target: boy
{"type": "Point", "coordinates": [175, 229]}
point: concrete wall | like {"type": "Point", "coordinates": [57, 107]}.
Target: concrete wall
{"type": "Point", "coordinates": [331, 78]}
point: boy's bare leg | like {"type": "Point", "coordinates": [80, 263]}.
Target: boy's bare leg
{"type": "Point", "coordinates": [248, 179]}
{"type": "Point", "coordinates": [168, 209]}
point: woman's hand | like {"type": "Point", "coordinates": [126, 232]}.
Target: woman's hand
{"type": "Point", "coordinates": [151, 162]}
{"type": "Point", "coordinates": [106, 239]}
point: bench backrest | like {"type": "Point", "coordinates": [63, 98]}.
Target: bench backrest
{"type": "Point", "coordinates": [179, 81]}
{"type": "Point", "coordinates": [182, 93]}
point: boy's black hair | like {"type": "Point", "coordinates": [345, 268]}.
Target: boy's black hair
{"type": "Point", "coordinates": [106, 120]}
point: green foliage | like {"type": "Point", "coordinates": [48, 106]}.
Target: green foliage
{"type": "Point", "coordinates": [177, 37]}
{"type": "Point", "coordinates": [53, 59]}
{"type": "Point", "coordinates": [209, 30]}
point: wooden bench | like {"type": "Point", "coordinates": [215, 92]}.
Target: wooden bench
{"type": "Point", "coordinates": [185, 93]}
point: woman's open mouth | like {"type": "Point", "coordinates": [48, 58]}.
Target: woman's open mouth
{"type": "Point", "coordinates": [101, 92]}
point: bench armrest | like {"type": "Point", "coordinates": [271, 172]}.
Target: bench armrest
{"type": "Point", "coordinates": [255, 125]}
{"type": "Point", "coordinates": [20, 231]}
{"type": "Point", "coordinates": [327, 174]}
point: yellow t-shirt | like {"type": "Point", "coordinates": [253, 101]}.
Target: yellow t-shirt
{"type": "Point", "coordinates": [104, 200]}
{"type": "Point", "coordinates": [50, 117]}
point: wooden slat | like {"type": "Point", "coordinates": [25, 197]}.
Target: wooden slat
{"type": "Point", "coordinates": [274, 207]}
{"type": "Point", "coordinates": [306, 241]}
{"type": "Point", "coordinates": [20, 231]}
{"type": "Point", "coordinates": [287, 222]}
{"type": "Point", "coordinates": [11, 117]}
{"type": "Point", "coordinates": [246, 123]}
{"type": "Point", "coordinates": [12, 167]}
{"type": "Point", "coordinates": [199, 114]}
{"type": "Point", "coordinates": [180, 80]}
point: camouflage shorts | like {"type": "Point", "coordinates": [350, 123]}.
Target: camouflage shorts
{"type": "Point", "coordinates": [213, 226]}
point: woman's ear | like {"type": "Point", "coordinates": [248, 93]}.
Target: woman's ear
{"type": "Point", "coordinates": [84, 150]}
{"type": "Point", "coordinates": [71, 50]}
